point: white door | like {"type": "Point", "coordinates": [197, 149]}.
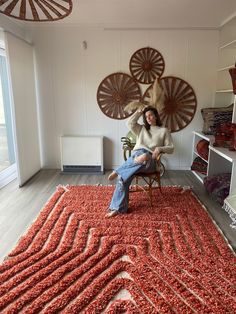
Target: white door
{"type": "Point", "coordinates": [22, 78]}
{"type": "Point", "coordinates": [7, 152]}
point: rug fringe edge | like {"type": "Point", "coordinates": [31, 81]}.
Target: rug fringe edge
{"type": "Point", "coordinates": [215, 223]}
{"type": "Point", "coordinates": [231, 214]}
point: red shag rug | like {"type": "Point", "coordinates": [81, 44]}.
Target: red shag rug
{"type": "Point", "coordinates": [167, 259]}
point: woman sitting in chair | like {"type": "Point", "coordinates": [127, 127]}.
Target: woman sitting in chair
{"type": "Point", "coordinates": [152, 139]}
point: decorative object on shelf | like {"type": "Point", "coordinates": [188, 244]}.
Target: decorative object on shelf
{"type": "Point", "coordinates": [232, 73]}
{"type": "Point", "coordinates": [202, 149]}
{"type": "Point", "coordinates": [218, 186]}
{"type": "Point", "coordinates": [213, 116]}
{"type": "Point", "coordinates": [221, 140]}
{"type": "Point", "coordinates": [219, 119]}
{"type": "Point", "coordinates": [36, 10]}
{"type": "Point", "coordinates": [180, 103]}
{"type": "Point", "coordinates": [199, 165]}
{"type": "Point", "coordinates": [225, 136]}
{"type": "Point", "coordinates": [115, 92]}
{"type": "Point", "coordinates": [146, 64]}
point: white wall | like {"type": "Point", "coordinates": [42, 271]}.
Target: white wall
{"type": "Point", "coordinates": [68, 78]}
{"type": "Point", "coordinates": [13, 26]}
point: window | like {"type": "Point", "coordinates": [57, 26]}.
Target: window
{"type": "Point", "coordinates": [7, 152]}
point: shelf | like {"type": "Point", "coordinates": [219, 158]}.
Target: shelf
{"type": "Point", "coordinates": [224, 152]}
{"type": "Point", "coordinates": [209, 138]}
{"type": "Point", "coordinates": [199, 175]}
{"type": "Point", "coordinates": [196, 153]}
{"type": "Point", "coordinates": [220, 159]}
{"type": "Point", "coordinates": [230, 45]}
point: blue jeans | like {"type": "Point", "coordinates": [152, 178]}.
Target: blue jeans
{"type": "Point", "coordinates": [126, 172]}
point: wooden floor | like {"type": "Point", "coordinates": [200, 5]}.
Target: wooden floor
{"type": "Point", "coordinates": [19, 207]}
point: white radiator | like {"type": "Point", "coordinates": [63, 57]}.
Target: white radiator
{"type": "Point", "coordinates": [82, 154]}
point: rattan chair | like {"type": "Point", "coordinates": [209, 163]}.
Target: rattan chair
{"type": "Point", "coordinates": [152, 179]}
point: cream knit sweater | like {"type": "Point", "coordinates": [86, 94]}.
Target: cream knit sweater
{"type": "Point", "coordinates": [150, 139]}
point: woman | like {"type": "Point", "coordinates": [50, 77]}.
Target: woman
{"type": "Point", "coordinates": [152, 139]}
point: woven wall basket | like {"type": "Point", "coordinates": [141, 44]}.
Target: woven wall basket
{"type": "Point", "coordinates": [36, 10]}
{"type": "Point", "coordinates": [146, 65]}
{"type": "Point", "coordinates": [180, 103]}
{"type": "Point", "coordinates": [115, 92]}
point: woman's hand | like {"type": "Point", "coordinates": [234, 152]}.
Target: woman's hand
{"type": "Point", "coordinates": [156, 153]}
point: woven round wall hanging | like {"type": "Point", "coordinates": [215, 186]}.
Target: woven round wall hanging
{"type": "Point", "coordinates": [36, 10]}
{"type": "Point", "coordinates": [146, 64]}
{"type": "Point", "coordinates": [180, 103]}
{"type": "Point", "coordinates": [115, 92]}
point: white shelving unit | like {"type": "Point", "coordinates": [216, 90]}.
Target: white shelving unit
{"type": "Point", "coordinates": [220, 159]}
{"type": "Point", "coordinates": [227, 57]}
{"type": "Point", "coordinates": [197, 136]}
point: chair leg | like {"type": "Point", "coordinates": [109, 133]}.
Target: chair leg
{"type": "Point", "coordinates": [136, 183]}
{"type": "Point", "coordinates": [150, 190]}
{"type": "Point", "coordinates": [159, 182]}
{"type": "Point", "coordinates": [150, 181]}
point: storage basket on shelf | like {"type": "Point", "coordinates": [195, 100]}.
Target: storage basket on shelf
{"type": "Point", "coordinates": [214, 116]}
{"type": "Point", "coordinates": [225, 136]}
{"type": "Point", "coordinates": [202, 148]}
{"type": "Point", "coordinates": [218, 186]}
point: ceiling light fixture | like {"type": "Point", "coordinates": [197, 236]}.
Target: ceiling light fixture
{"type": "Point", "coordinates": [36, 10]}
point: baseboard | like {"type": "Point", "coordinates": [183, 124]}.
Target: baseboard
{"type": "Point", "coordinates": [7, 175]}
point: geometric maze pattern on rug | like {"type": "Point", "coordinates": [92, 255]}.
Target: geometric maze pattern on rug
{"type": "Point", "coordinates": [166, 259]}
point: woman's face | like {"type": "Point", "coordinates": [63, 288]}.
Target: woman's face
{"type": "Point", "coordinates": [150, 117]}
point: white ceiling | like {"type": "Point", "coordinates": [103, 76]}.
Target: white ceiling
{"type": "Point", "coordinates": [151, 13]}
{"type": "Point", "coordinates": [155, 14]}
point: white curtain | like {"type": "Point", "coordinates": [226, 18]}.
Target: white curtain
{"type": "Point", "coordinates": [22, 81]}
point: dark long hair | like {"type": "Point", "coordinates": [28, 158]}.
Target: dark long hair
{"type": "Point", "coordinates": [158, 120]}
